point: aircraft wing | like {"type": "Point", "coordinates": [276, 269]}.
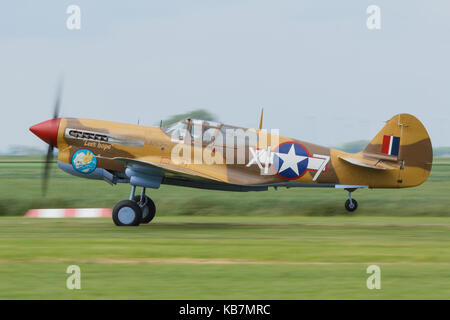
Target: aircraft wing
{"type": "Point", "coordinates": [151, 174]}
{"type": "Point", "coordinates": [168, 168]}
{"type": "Point", "coordinates": [371, 163]}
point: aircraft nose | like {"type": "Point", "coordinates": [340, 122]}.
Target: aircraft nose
{"type": "Point", "coordinates": [47, 130]}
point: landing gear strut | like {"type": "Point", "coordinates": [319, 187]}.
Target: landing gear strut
{"type": "Point", "coordinates": [147, 206]}
{"type": "Point", "coordinates": [138, 209]}
{"type": "Point", "coordinates": [351, 204]}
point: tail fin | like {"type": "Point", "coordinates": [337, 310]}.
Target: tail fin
{"type": "Point", "coordinates": [404, 140]}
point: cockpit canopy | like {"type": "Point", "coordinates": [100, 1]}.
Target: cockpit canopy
{"type": "Point", "coordinates": [197, 129]}
{"type": "Point", "coordinates": [210, 131]}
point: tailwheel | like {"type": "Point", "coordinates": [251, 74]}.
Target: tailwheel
{"type": "Point", "coordinates": [351, 205]}
{"type": "Point", "coordinates": [147, 206]}
{"type": "Point", "coordinates": [127, 213]}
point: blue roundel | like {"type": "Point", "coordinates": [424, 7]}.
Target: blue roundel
{"type": "Point", "coordinates": [290, 160]}
{"type": "Point", "coordinates": [84, 161]}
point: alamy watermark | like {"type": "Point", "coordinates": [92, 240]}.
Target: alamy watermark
{"type": "Point", "coordinates": [74, 280]}
{"type": "Point", "coordinates": [374, 19]}
{"type": "Point", "coordinates": [73, 22]}
{"type": "Point", "coordinates": [374, 280]}
{"type": "Point", "coordinates": [203, 144]}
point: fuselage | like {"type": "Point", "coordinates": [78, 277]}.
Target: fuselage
{"type": "Point", "coordinates": [261, 159]}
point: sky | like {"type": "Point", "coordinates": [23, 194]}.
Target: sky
{"type": "Point", "coordinates": [319, 73]}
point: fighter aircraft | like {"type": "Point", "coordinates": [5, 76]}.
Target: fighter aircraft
{"type": "Point", "coordinates": [210, 155]}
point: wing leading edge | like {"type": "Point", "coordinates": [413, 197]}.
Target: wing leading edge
{"type": "Point", "coordinates": [151, 175]}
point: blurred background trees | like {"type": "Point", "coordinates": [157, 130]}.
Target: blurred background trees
{"type": "Point", "coordinates": [200, 114]}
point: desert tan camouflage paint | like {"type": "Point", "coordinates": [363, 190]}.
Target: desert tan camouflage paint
{"type": "Point", "coordinates": [151, 145]}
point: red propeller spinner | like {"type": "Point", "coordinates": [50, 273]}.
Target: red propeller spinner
{"type": "Point", "coordinates": [47, 131]}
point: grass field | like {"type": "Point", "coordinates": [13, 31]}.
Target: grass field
{"type": "Point", "coordinates": [286, 244]}
{"type": "Point", "coordinates": [226, 257]}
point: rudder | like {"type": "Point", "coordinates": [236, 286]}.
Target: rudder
{"type": "Point", "coordinates": [404, 140]}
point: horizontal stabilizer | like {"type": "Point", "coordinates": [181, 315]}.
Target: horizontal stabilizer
{"type": "Point", "coordinates": [371, 163]}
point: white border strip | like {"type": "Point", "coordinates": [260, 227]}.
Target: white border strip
{"type": "Point", "coordinates": [69, 213]}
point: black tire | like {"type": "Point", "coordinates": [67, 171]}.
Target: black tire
{"type": "Point", "coordinates": [349, 207]}
{"type": "Point", "coordinates": [148, 210]}
{"type": "Point", "coordinates": [127, 213]}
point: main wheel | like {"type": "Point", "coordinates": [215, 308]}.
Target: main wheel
{"type": "Point", "coordinates": [127, 213]}
{"type": "Point", "coordinates": [148, 208]}
{"type": "Point", "coordinates": [351, 206]}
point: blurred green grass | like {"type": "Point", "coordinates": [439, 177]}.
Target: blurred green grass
{"type": "Point", "coordinates": [227, 258]}
{"type": "Point", "coordinates": [20, 186]}
{"type": "Point", "coordinates": [168, 281]}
